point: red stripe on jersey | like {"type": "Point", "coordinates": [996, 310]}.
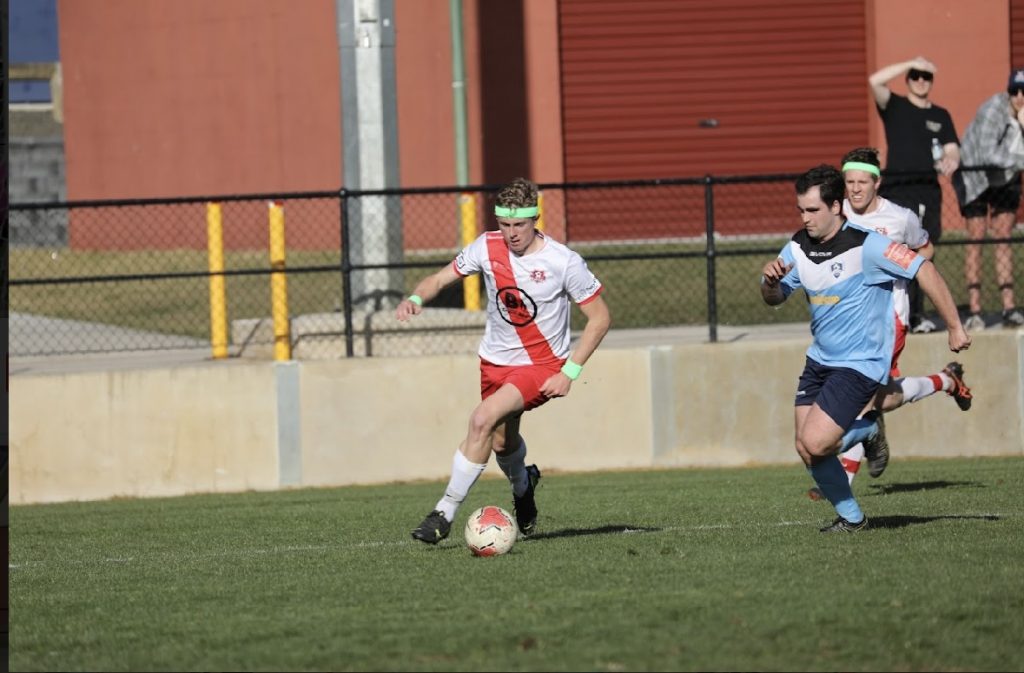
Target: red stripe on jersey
{"type": "Point", "coordinates": [535, 343]}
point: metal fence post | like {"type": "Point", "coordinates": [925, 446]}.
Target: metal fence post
{"type": "Point", "coordinates": [346, 274]}
{"type": "Point", "coordinates": [709, 251]}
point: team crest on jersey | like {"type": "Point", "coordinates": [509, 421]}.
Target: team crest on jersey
{"type": "Point", "coordinates": [538, 276]}
{"type": "Point", "coordinates": [837, 269]}
{"type": "Point", "coordinates": [900, 255]}
{"type": "Point", "coordinates": [883, 231]}
{"type": "Point", "coordinates": [515, 306]}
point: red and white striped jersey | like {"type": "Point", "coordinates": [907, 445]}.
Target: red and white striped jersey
{"type": "Point", "coordinates": [527, 298]}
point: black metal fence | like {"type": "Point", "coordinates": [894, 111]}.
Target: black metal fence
{"type": "Point", "coordinates": [317, 274]}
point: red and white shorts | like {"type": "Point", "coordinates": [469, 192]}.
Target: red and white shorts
{"type": "Point", "coordinates": [897, 348]}
{"type": "Point", "coordinates": [527, 378]}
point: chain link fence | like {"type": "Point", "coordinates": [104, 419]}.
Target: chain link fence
{"type": "Point", "coordinates": [317, 274]}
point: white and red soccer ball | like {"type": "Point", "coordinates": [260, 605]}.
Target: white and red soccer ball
{"type": "Point", "coordinates": [490, 531]}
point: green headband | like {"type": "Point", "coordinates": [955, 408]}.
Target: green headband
{"type": "Point", "coordinates": [520, 212]}
{"type": "Point", "coordinates": [861, 166]}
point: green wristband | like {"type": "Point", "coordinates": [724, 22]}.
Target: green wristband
{"type": "Point", "coordinates": [572, 370]}
{"type": "Point", "coordinates": [416, 299]}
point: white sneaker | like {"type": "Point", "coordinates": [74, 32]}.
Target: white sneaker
{"type": "Point", "coordinates": [974, 323]}
{"type": "Point", "coordinates": [926, 326]}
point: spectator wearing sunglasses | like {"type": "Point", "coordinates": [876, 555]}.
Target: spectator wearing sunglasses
{"type": "Point", "coordinates": [990, 198]}
{"type": "Point", "coordinates": [914, 125]}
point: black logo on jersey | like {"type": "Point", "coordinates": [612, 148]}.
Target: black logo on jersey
{"type": "Point", "coordinates": [515, 306]}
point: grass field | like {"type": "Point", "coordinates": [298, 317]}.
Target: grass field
{"type": "Point", "coordinates": [712, 569]}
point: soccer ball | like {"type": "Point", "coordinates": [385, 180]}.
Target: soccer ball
{"type": "Point", "coordinates": [490, 531]}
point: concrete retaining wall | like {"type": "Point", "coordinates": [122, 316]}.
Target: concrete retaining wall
{"type": "Point", "coordinates": [243, 424]}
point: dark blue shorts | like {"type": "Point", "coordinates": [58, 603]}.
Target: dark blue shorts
{"type": "Point", "coordinates": [840, 392]}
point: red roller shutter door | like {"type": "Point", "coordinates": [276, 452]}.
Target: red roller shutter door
{"type": "Point", "coordinates": [683, 88]}
{"type": "Point", "coordinates": [1016, 33]}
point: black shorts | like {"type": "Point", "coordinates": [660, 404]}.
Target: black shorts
{"type": "Point", "coordinates": [840, 392]}
{"type": "Point", "coordinates": [1001, 199]}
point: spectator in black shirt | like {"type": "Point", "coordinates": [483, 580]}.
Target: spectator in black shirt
{"type": "Point", "coordinates": [922, 142]}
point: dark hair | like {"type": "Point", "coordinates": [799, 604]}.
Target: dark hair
{"type": "Point", "coordinates": [829, 181]}
{"type": "Point", "coordinates": [864, 155]}
{"type": "Point", "coordinates": [520, 193]}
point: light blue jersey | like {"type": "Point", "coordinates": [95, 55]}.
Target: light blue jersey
{"type": "Point", "coordinates": [848, 281]}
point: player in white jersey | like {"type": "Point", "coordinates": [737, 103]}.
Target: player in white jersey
{"type": "Point", "coordinates": [864, 207]}
{"type": "Point", "coordinates": [846, 274]}
{"type": "Point", "coordinates": [525, 356]}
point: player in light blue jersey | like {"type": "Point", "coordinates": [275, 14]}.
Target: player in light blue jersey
{"type": "Point", "coordinates": [865, 208]}
{"type": "Point", "coordinates": [847, 275]}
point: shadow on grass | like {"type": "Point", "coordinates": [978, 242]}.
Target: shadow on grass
{"type": "Point", "coordinates": [600, 530]}
{"type": "Point", "coordinates": [904, 521]}
{"type": "Point", "coordinates": [885, 489]}
{"type": "Point", "coordinates": [616, 529]}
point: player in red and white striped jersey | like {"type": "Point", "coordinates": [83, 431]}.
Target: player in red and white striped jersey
{"type": "Point", "coordinates": [526, 357]}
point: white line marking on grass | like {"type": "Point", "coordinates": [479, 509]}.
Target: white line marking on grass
{"type": "Point", "coordinates": [377, 544]}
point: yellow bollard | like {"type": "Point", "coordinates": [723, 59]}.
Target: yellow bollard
{"type": "Point", "coordinates": [218, 298]}
{"type": "Point", "coordinates": [467, 227]}
{"type": "Point", "coordinates": [279, 285]}
{"type": "Point", "coordinates": [540, 211]}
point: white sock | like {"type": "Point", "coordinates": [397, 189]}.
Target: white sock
{"type": "Point", "coordinates": [919, 387]}
{"type": "Point", "coordinates": [851, 460]}
{"type": "Point", "coordinates": [464, 475]}
{"type": "Point", "coordinates": [513, 464]}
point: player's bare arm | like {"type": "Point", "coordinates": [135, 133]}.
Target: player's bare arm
{"type": "Point", "coordinates": [935, 288]}
{"type": "Point", "coordinates": [599, 320]}
{"type": "Point", "coordinates": [927, 250]}
{"type": "Point", "coordinates": [426, 289]}
{"type": "Point", "coordinates": [772, 275]}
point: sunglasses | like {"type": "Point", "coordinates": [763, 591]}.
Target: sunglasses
{"type": "Point", "coordinates": [1015, 91]}
{"type": "Point", "coordinates": [920, 74]}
